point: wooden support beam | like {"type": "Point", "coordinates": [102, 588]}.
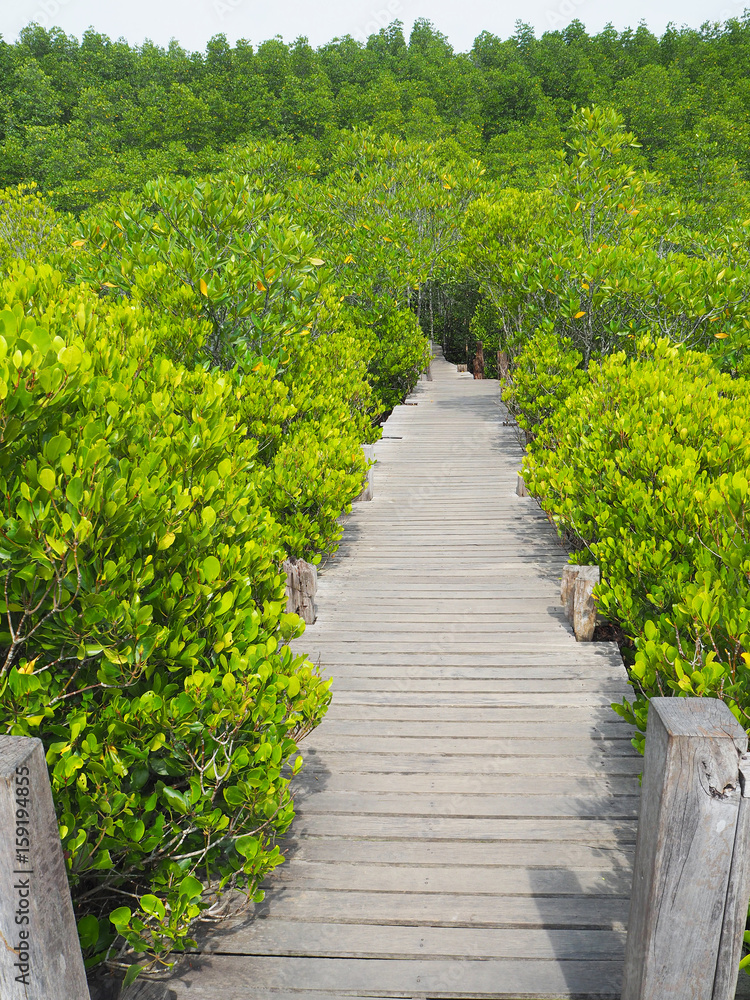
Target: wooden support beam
{"type": "Point", "coordinates": [584, 606]}
{"type": "Point", "coordinates": [41, 956]}
{"type": "Point", "coordinates": [568, 589]}
{"type": "Point", "coordinates": [301, 588]}
{"type": "Point", "coordinates": [478, 362]}
{"type": "Point", "coordinates": [577, 598]}
{"type": "Point", "coordinates": [690, 883]}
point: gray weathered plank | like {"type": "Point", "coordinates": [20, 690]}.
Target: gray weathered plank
{"type": "Point", "coordinates": [298, 937]}
{"type": "Point", "coordinates": [228, 976]}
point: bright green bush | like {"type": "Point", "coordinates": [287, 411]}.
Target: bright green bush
{"type": "Point", "coordinates": [29, 228]}
{"type": "Point", "coordinates": [647, 467]}
{"type": "Point", "coordinates": [143, 629]}
{"type": "Point", "coordinates": [221, 248]}
{"type": "Point", "coordinates": [236, 286]}
{"type": "Point", "coordinates": [309, 418]}
{"type": "Point", "coordinates": [401, 355]}
{"type": "Point", "coordinates": [545, 373]}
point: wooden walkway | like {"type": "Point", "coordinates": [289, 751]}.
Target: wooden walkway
{"type": "Point", "coordinates": [466, 816]}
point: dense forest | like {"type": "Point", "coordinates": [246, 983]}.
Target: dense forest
{"type": "Point", "coordinates": [220, 272]}
{"type": "Point", "coordinates": [88, 118]}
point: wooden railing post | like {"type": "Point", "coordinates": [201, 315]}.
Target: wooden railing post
{"type": "Point", "coordinates": [690, 882]}
{"type": "Point", "coordinates": [40, 956]}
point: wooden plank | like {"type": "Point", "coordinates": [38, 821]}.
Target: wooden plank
{"type": "Point", "coordinates": [613, 832]}
{"type": "Point", "coordinates": [498, 806]}
{"type": "Point", "coordinates": [227, 976]}
{"type": "Point", "coordinates": [468, 715]}
{"type": "Point", "coordinates": [499, 664]}
{"type": "Point", "coordinates": [571, 855]}
{"type": "Point", "coordinates": [594, 783]}
{"type": "Point", "coordinates": [344, 876]}
{"type": "Point", "coordinates": [515, 729]}
{"type": "Point", "coordinates": [589, 676]}
{"type": "Point", "coordinates": [41, 958]}
{"type": "Point", "coordinates": [471, 746]}
{"type": "Point", "coordinates": [581, 912]}
{"type": "Point", "coordinates": [497, 688]}
{"type": "Point", "coordinates": [299, 937]}
{"type": "Point", "coordinates": [468, 631]}
{"type": "Point", "coordinates": [731, 944]}
{"type": "Point", "coordinates": [478, 765]}
{"type": "Point", "coordinates": [480, 697]}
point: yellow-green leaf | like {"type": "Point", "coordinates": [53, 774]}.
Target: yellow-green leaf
{"type": "Point", "coordinates": [47, 479]}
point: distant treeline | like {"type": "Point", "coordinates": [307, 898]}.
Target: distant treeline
{"type": "Point", "coordinates": [84, 118]}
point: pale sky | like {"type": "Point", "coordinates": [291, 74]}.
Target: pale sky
{"type": "Point", "coordinates": [193, 22]}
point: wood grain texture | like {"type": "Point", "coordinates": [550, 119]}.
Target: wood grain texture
{"type": "Point", "coordinates": [688, 824]}
{"type": "Point", "coordinates": [584, 606]}
{"type": "Point", "coordinates": [466, 815]}
{"type": "Point", "coordinates": [40, 957]}
{"type": "Point", "coordinates": [738, 893]}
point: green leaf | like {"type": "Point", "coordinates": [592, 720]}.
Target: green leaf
{"type": "Point", "coordinates": [234, 796]}
{"type": "Point", "coordinates": [293, 686]}
{"type": "Point", "coordinates": [88, 931]}
{"type": "Point", "coordinates": [57, 446]}
{"type": "Point", "coordinates": [47, 479]}
{"type": "Point", "coordinates": [247, 846]}
{"type": "Point", "coordinates": [74, 491]}
{"type": "Point", "coordinates": [191, 888]}
{"type": "Point", "coordinates": [211, 568]}
{"type": "Point", "coordinates": [153, 905]}
{"type": "Point", "coordinates": [70, 357]}
{"type": "Point", "coordinates": [121, 918]}
{"type": "Point", "coordinates": [132, 974]}
{"type": "Point", "coordinates": [175, 800]}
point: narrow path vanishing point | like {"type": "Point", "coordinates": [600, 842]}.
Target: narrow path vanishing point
{"type": "Point", "coordinates": [466, 815]}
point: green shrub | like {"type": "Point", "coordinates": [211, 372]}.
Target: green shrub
{"type": "Point", "coordinates": [647, 467]}
{"type": "Point", "coordinates": [309, 417]}
{"type": "Point", "coordinates": [402, 353]}
{"type": "Point", "coordinates": [545, 372]}
{"type": "Point", "coordinates": [143, 624]}
{"type": "Point", "coordinates": [235, 285]}
{"type": "Point", "coordinates": [29, 228]}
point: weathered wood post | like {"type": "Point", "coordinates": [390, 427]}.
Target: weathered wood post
{"type": "Point", "coordinates": [478, 363]}
{"type": "Point", "coordinates": [40, 954]}
{"type": "Point", "coordinates": [577, 597]}
{"type": "Point", "coordinates": [301, 588]}
{"type": "Point", "coordinates": [503, 366]}
{"type": "Point", "coordinates": [584, 606]}
{"type": "Point", "coordinates": [690, 882]}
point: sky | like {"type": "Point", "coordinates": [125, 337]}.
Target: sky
{"type": "Point", "coordinates": [193, 22]}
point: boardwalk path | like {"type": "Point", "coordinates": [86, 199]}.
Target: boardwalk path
{"type": "Point", "coordinates": [466, 817]}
